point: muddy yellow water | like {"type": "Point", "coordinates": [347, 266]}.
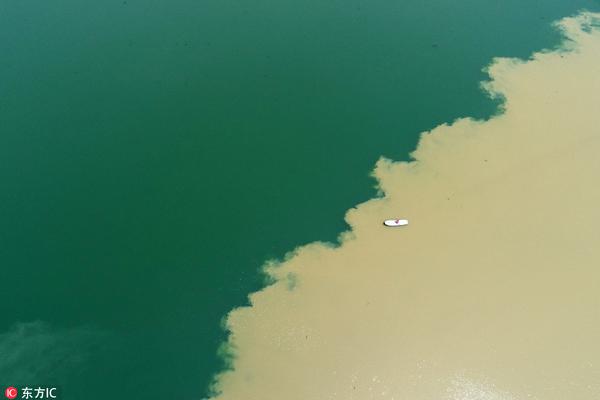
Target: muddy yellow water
{"type": "Point", "coordinates": [491, 292]}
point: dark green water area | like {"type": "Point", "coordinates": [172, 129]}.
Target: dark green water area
{"type": "Point", "coordinates": [154, 153]}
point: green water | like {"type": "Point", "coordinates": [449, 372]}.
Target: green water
{"type": "Point", "coordinates": [154, 153]}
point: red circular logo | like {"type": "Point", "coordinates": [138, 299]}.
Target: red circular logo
{"type": "Point", "coordinates": [11, 392]}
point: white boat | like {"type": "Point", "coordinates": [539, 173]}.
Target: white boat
{"type": "Point", "coordinates": [395, 222]}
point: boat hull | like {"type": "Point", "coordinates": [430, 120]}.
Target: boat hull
{"type": "Point", "coordinates": [395, 222]}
